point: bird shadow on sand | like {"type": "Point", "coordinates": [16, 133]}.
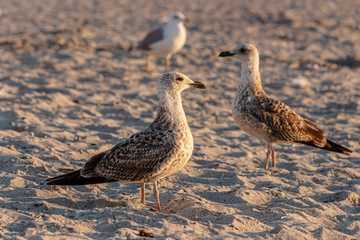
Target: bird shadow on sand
{"type": "Point", "coordinates": [85, 204]}
{"type": "Point", "coordinates": [351, 61]}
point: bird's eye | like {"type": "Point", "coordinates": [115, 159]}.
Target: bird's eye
{"type": "Point", "coordinates": [176, 17]}
{"type": "Point", "coordinates": [242, 50]}
{"type": "Point", "coordinates": [179, 79]}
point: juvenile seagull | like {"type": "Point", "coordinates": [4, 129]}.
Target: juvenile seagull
{"type": "Point", "coordinates": [267, 118]}
{"type": "Point", "coordinates": [165, 40]}
{"type": "Point", "coordinates": [160, 150]}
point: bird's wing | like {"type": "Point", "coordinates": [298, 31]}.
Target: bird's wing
{"type": "Point", "coordinates": [284, 123]}
{"type": "Point", "coordinates": [154, 36]}
{"type": "Point", "coordinates": [131, 159]}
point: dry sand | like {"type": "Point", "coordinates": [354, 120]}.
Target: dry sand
{"type": "Point", "coordinates": [69, 89]}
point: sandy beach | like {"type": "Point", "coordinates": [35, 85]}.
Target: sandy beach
{"type": "Point", "coordinates": [70, 89]}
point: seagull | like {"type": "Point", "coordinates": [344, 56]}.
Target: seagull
{"type": "Point", "coordinates": [267, 118]}
{"type": "Point", "coordinates": [160, 150]}
{"type": "Point", "coordinates": [165, 40]}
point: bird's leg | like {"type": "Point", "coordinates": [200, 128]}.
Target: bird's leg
{"type": "Point", "coordinates": [143, 201]}
{"type": "Point", "coordinates": [268, 156]}
{"type": "Point", "coordinates": [156, 195]}
{"type": "Point", "coordinates": [167, 60]}
{"type": "Point", "coordinates": [273, 156]}
{"type": "Point", "coordinates": [147, 66]}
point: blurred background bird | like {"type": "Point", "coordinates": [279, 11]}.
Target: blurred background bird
{"type": "Point", "coordinates": [165, 40]}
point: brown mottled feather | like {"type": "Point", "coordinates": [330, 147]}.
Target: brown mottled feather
{"type": "Point", "coordinates": [268, 118]}
{"type": "Point", "coordinates": [160, 150]}
{"type": "Point", "coordinates": [138, 157]}
{"type": "Point", "coordinates": [283, 123]}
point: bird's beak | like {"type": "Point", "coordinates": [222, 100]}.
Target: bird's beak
{"type": "Point", "coordinates": [187, 20]}
{"type": "Point", "coordinates": [197, 85]}
{"type": "Point", "coordinates": [226, 54]}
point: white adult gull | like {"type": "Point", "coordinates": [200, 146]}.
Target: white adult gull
{"type": "Point", "coordinates": [267, 118]}
{"type": "Point", "coordinates": [160, 150]}
{"type": "Point", "coordinates": [165, 40]}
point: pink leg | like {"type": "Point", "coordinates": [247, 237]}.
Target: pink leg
{"type": "Point", "coordinates": [156, 195]}
{"type": "Point", "coordinates": [143, 201]}
{"type": "Point", "coordinates": [147, 66]}
{"type": "Point", "coordinates": [273, 157]}
{"type": "Point", "coordinates": [167, 60]}
{"type": "Point", "coordinates": [268, 156]}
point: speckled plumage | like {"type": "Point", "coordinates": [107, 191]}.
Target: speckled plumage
{"type": "Point", "coordinates": [160, 150]}
{"type": "Point", "coordinates": [267, 118]}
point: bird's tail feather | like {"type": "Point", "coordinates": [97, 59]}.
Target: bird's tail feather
{"type": "Point", "coordinates": [334, 147]}
{"type": "Point", "coordinates": [74, 178]}
{"type": "Point", "coordinates": [331, 146]}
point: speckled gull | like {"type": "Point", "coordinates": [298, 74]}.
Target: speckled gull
{"type": "Point", "coordinates": [267, 118]}
{"type": "Point", "coordinates": [165, 40]}
{"type": "Point", "coordinates": [160, 150]}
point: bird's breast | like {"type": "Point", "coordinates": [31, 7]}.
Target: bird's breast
{"type": "Point", "coordinates": [244, 114]}
{"type": "Point", "coordinates": [178, 158]}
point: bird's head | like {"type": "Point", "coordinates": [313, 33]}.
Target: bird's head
{"type": "Point", "coordinates": [245, 52]}
{"type": "Point", "coordinates": [177, 17]}
{"type": "Point", "coordinates": [176, 82]}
